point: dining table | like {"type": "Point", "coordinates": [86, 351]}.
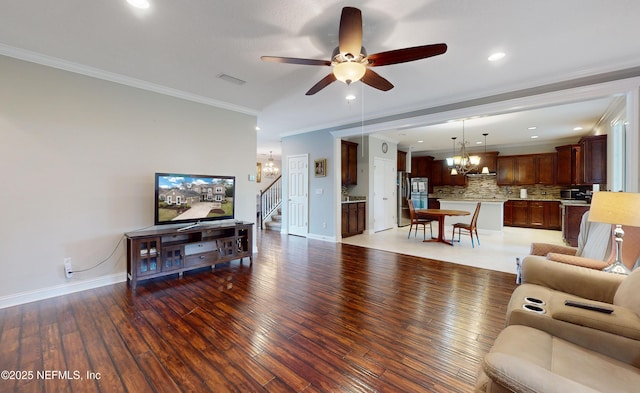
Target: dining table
{"type": "Point", "coordinates": [439, 214]}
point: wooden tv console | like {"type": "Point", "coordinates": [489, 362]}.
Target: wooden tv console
{"type": "Point", "coordinates": [162, 251]}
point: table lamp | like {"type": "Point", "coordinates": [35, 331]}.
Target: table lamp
{"type": "Point", "coordinates": [618, 208]}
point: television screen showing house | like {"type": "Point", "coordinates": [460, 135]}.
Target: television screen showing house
{"type": "Point", "coordinates": [191, 198]}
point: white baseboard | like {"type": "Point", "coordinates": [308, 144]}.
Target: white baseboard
{"type": "Point", "coordinates": [331, 239]}
{"type": "Point", "coordinates": [59, 290]}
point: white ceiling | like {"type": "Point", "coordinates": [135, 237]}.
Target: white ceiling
{"type": "Point", "coordinates": [180, 47]}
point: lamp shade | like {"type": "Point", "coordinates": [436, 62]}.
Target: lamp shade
{"type": "Point", "coordinates": [621, 208]}
{"type": "Point", "coordinates": [349, 71]}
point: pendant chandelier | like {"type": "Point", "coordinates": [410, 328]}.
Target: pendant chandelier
{"type": "Point", "coordinates": [270, 170]}
{"type": "Point", "coordinates": [485, 169]}
{"type": "Point", "coordinates": [462, 163]}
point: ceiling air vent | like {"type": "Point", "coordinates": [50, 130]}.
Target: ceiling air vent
{"type": "Point", "coordinates": [231, 79]}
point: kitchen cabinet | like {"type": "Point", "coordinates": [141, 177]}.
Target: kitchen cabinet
{"type": "Point", "coordinates": [594, 154]}
{"type": "Point", "coordinates": [421, 166]}
{"type": "Point", "coordinates": [532, 214]}
{"type": "Point", "coordinates": [545, 169]}
{"type": "Point", "coordinates": [488, 159]}
{"type": "Point", "coordinates": [451, 180]}
{"type": "Point", "coordinates": [520, 213]}
{"type": "Point", "coordinates": [571, 220]}
{"type": "Point", "coordinates": [402, 161]}
{"type": "Point", "coordinates": [440, 175]}
{"type": "Point", "coordinates": [507, 214]}
{"type": "Point", "coordinates": [569, 166]}
{"type": "Point", "coordinates": [526, 169]}
{"type": "Point", "coordinates": [436, 173]}
{"type": "Point", "coordinates": [349, 163]}
{"type": "Point", "coordinates": [353, 218]}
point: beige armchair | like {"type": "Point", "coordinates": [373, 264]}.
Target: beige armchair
{"type": "Point", "coordinates": [551, 347]}
{"type": "Point", "coordinates": [593, 251]}
{"type": "Point", "coordinates": [595, 247]}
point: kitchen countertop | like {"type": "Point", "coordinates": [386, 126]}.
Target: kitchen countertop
{"type": "Point", "coordinates": [354, 199]}
{"type": "Point", "coordinates": [506, 199]}
{"type": "Point", "coordinates": [487, 200]}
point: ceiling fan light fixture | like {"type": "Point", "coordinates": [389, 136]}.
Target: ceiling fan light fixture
{"type": "Point", "coordinates": [349, 71]}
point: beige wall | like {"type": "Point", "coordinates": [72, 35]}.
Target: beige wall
{"type": "Point", "coordinates": [78, 157]}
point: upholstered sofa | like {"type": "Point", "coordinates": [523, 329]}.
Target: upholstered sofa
{"type": "Point", "coordinates": [552, 347]}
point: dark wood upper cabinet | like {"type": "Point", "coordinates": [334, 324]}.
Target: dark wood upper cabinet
{"type": "Point", "coordinates": [451, 180]}
{"type": "Point", "coordinates": [569, 165]}
{"type": "Point", "coordinates": [488, 159]}
{"type": "Point", "coordinates": [506, 174]}
{"type": "Point", "coordinates": [436, 173]}
{"type": "Point", "coordinates": [545, 167]}
{"type": "Point", "coordinates": [526, 169]}
{"type": "Point", "coordinates": [594, 154]}
{"type": "Point", "coordinates": [402, 161]}
{"type": "Point", "coordinates": [349, 163]}
{"type": "Point", "coordinates": [421, 166]}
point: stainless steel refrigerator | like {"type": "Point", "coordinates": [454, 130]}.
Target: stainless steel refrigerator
{"type": "Point", "coordinates": [420, 192]}
{"type": "Point", "coordinates": [404, 192]}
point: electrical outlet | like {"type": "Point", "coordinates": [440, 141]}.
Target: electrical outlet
{"type": "Point", "coordinates": [68, 271]}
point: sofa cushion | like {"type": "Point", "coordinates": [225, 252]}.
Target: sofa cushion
{"type": "Point", "coordinates": [627, 293]}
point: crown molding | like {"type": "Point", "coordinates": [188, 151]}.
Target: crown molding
{"type": "Point", "coordinates": [97, 73]}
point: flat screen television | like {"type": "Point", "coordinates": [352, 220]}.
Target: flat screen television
{"type": "Point", "coordinates": [191, 199]}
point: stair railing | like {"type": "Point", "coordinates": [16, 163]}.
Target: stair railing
{"type": "Point", "coordinates": [270, 200]}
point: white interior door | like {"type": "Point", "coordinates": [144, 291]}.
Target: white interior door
{"type": "Point", "coordinates": [298, 195]}
{"type": "Point", "coordinates": [384, 194]}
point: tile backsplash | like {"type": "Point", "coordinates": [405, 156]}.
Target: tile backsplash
{"type": "Point", "coordinates": [486, 187]}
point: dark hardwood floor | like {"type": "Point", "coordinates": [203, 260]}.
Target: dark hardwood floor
{"type": "Point", "coordinates": [308, 316]}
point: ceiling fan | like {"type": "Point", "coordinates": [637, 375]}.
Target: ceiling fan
{"type": "Point", "coordinates": [350, 60]}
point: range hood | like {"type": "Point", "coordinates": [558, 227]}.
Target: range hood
{"type": "Point", "coordinates": [481, 174]}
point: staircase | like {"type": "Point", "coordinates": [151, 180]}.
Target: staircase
{"type": "Point", "coordinates": [270, 206]}
{"type": "Point", "coordinates": [275, 221]}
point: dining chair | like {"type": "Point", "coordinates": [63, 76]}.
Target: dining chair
{"type": "Point", "coordinates": [418, 221]}
{"type": "Point", "coordinates": [471, 227]}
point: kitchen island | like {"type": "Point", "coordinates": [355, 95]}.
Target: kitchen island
{"type": "Point", "coordinates": [490, 216]}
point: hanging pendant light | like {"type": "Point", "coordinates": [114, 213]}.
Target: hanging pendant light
{"type": "Point", "coordinates": [485, 169]}
{"type": "Point", "coordinates": [451, 160]}
{"type": "Point", "coordinates": [463, 163]}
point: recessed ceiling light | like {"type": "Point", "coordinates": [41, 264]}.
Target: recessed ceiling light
{"type": "Point", "coordinates": [534, 137]}
{"type": "Point", "coordinates": [577, 129]}
{"type": "Point", "coordinates": [420, 141]}
{"type": "Point", "coordinates": [496, 56]}
{"type": "Point", "coordinates": [257, 128]}
{"type": "Point", "coordinates": [143, 4]}
{"type": "Point", "coordinates": [350, 97]}
{"type": "Point", "coordinates": [532, 128]}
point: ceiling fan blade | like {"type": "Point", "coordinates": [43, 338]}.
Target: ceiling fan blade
{"type": "Point", "coordinates": [324, 82]}
{"type": "Point", "coordinates": [406, 54]}
{"type": "Point", "coordinates": [295, 60]}
{"type": "Point", "coordinates": [350, 33]}
{"type": "Point", "coordinates": [373, 79]}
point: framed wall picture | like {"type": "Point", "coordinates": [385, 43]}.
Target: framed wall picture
{"type": "Point", "coordinates": [259, 172]}
{"type": "Point", "coordinates": [320, 167]}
